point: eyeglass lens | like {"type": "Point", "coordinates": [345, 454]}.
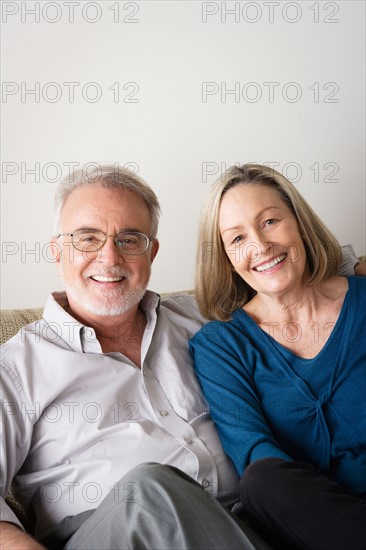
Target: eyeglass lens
{"type": "Point", "coordinates": [127, 242]}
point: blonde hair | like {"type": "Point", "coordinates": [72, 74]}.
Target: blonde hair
{"type": "Point", "coordinates": [219, 289]}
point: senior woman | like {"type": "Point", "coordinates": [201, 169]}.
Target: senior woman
{"type": "Point", "coordinates": [283, 362]}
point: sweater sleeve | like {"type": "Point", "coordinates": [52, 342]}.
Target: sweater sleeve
{"type": "Point", "coordinates": [235, 407]}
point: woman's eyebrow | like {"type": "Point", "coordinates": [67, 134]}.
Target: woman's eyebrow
{"type": "Point", "coordinates": [236, 227]}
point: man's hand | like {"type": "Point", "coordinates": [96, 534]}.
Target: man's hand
{"type": "Point", "coordinates": [360, 269]}
{"type": "Point", "coordinates": [13, 538]}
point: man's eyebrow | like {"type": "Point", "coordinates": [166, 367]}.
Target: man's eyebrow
{"type": "Point", "coordinates": [236, 227]}
{"type": "Point", "coordinates": [131, 230]}
{"type": "Point", "coordinates": [85, 228]}
{"type": "Point", "coordinates": [124, 230]}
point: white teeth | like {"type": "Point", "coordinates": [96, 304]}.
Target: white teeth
{"type": "Point", "coordinates": [270, 264]}
{"type": "Point", "coordinates": [102, 279]}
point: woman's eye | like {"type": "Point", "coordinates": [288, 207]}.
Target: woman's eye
{"type": "Point", "coordinates": [238, 239]}
{"type": "Point", "coordinates": [271, 221]}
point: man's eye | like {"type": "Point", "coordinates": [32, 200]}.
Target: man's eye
{"type": "Point", "coordinates": [89, 239]}
{"type": "Point", "coordinates": [128, 240]}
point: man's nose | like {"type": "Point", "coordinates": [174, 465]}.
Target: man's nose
{"type": "Point", "coordinates": [110, 254]}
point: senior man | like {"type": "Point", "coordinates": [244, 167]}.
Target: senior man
{"type": "Point", "coordinates": [107, 440]}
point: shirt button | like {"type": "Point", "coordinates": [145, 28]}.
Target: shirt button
{"type": "Point", "coordinates": [163, 413]}
{"type": "Point", "coordinates": [205, 484]}
{"type": "Point", "coordinates": [188, 440]}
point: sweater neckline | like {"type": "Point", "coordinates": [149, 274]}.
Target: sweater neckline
{"type": "Point", "coordinates": [287, 352]}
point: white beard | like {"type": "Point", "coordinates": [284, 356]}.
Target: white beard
{"type": "Point", "coordinates": [112, 303]}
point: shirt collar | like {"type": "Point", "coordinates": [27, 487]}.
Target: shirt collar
{"type": "Point", "coordinates": [80, 337]}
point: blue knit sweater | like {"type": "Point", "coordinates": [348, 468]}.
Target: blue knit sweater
{"type": "Point", "coordinates": [268, 402]}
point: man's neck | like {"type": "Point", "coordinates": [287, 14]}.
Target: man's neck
{"type": "Point", "coordinates": [122, 333]}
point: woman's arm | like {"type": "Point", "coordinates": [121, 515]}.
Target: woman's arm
{"type": "Point", "coordinates": [231, 394]}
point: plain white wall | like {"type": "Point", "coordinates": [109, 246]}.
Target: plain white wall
{"type": "Point", "coordinates": [296, 73]}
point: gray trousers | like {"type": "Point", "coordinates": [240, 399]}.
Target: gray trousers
{"type": "Point", "coordinates": [160, 508]}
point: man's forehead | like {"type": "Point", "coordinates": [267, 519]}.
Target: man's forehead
{"type": "Point", "coordinates": [92, 193]}
{"type": "Point", "coordinates": [98, 201]}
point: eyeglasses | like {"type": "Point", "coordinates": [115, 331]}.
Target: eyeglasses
{"type": "Point", "coordinates": [91, 240]}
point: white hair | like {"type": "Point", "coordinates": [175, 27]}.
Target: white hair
{"type": "Point", "coordinates": [110, 176]}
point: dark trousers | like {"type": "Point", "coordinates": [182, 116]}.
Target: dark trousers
{"type": "Point", "coordinates": [295, 507]}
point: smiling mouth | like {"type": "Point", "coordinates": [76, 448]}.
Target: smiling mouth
{"type": "Point", "coordinates": [269, 265]}
{"type": "Point", "coordinates": [102, 279]}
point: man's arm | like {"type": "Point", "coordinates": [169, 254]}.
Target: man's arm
{"type": "Point", "coordinates": [14, 445]}
{"type": "Point", "coordinates": [13, 538]}
{"type": "Point", "coordinates": [351, 264]}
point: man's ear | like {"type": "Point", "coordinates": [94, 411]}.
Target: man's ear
{"type": "Point", "coordinates": [56, 250]}
{"type": "Point", "coordinates": [154, 249]}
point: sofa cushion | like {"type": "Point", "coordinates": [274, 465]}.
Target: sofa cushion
{"type": "Point", "coordinates": [11, 320]}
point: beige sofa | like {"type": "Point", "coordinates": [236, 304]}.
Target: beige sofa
{"type": "Point", "coordinates": [13, 320]}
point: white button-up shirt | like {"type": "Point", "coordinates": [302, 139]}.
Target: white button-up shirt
{"type": "Point", "coordinates": [75, 419]}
